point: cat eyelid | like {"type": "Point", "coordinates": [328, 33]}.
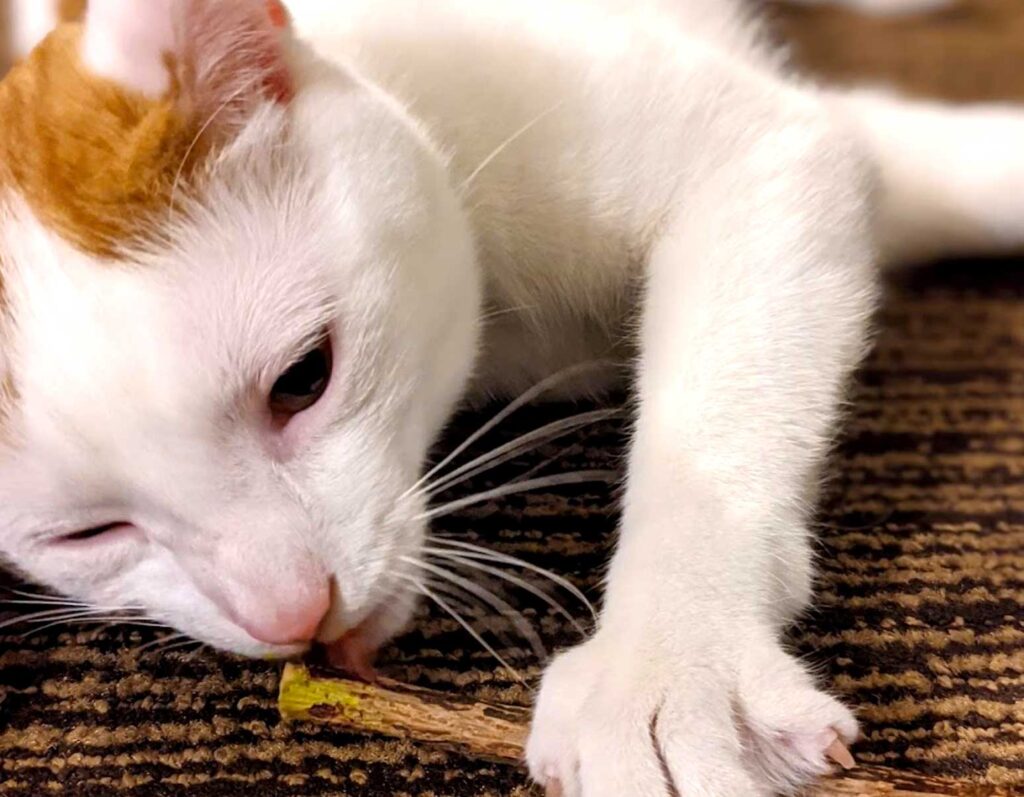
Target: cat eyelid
{"type": "Point", "coordinates": [292, 356]}
{"type": "Point", "coordinates": [54, 531]}
{"type": "Point", "coordinates": [309, 343]}
{"type": "Point", "coordinates": [89, 534]}
{"type": "Point", "coordinates": [292, 353]}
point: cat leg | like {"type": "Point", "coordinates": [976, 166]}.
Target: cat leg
{"type": "Point", "coordinates": [952, 176]}
{"type": "Point", "coordinates": [758, 299]}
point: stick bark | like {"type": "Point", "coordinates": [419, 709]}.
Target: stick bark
{"type": "Point", "coordinates": [498, 733]}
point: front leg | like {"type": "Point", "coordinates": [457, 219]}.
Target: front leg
{"type": "Point", "coordinates": [758, 300]}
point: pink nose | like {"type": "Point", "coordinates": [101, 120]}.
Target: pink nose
{"type": "Point", "coordinates": [291, 624]}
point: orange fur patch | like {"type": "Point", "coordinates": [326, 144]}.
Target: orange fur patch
{"type": "Point", "coordinates": [8, 401]}
{"type": "Point", "coordinates": [93, 160]}
{"type": "Point", "coordinates": [98, 163]}
{"type": "Point", "coordinates": [8, 390]}
{"type": "Point", "coordinates": [71, 10]}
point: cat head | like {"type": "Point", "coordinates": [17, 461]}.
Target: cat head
{"type": "Point", "coordinates": [238, 303]}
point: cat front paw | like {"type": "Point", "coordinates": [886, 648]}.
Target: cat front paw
{"type": "Point", "coordinates": [614, 718]}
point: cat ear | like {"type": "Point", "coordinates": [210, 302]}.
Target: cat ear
{"type": "Point", "coordinates": [209, 52]}
{"type": "Point", "coordinates": [125, 40]}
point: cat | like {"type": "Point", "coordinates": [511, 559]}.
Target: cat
{"type": "Point", "coordinates": [253, 258]}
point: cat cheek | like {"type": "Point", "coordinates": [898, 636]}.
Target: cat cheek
{"type": "Point", "coordinates": [158, 47]}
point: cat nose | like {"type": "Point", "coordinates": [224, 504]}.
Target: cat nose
{"type": "Point", "coordinates": [293, 623]}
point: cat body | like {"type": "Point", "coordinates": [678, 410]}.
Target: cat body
{"type": "Point", "coordinates": [219, 405]}
{"type": "Point", "coordinates": [565, 187]}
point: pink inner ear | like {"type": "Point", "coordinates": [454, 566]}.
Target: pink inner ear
{"type": "Point", "coordinates": [237, 46]}
{"type": "Point", "coordinates": [231, 48]}
{"type": "Point", "coordinates": [278, 14]}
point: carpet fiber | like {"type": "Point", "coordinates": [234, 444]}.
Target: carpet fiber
{"type": "Point", "coordinates": [919, 620]}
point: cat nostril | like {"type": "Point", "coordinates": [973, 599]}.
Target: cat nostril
{"type": "Point", "coordinates": [293, 624]}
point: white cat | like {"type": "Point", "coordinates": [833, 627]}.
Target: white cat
{"type": "Point", "coordinates": [223, 370]}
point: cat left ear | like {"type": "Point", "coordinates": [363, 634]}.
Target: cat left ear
{"type": "Point", "coordinates": [212, 52]}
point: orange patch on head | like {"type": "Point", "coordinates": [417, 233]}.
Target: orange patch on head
{"type": "Point", "coordinates": [92, 160]}
{"type": "Point", "coordinates": [8, 389]}
{"type": "Point", "coordinates": [278, 13]}
{"type": "Point", "coordinates": [96, 161]}
{"type": "Point", "coordinates": [8, 399]}
{"type": "Point", "coordinates": [71, 10]}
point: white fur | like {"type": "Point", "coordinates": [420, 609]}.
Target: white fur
{"type": "Point", "coordinates": [952, 176]}
{"type": "Point", "coordinates": [23, 23]}
{"type": "Point", "coordinates": [126, 41]}
{"type": "Point", "coordinates": [618, 163]}
{"type": "Point", "coordinates": [142, 389]}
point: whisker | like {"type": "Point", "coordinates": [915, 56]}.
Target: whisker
{"type": "Point", "coordinates": [521, 308]}
{"type": "Point", "coordinates": [58, 614]}
{"type": "Point", "coordinates": [469, 562]}
{"type": "Point", "coordinates": [93, 619]}
{"type": "Point", "coordinates": [200, 133]}
{"type": "Point", "coordinates": [479, 553]}
{"type": "Point", "coordinates": [427, 592]}
{"type": "Point", "coordinates": [523, 443]}
{"type": "Point", "coordinates": [515, 487]}
{"type": "Point", "coordinates": [26, 602]}
{"type": "Point", "coordinates": [41, 597]}
{"type": "Point", "coordinates": [543, 464]}
{"type": "Point", "coordinates": [465, 603]}
{"type": "Point", "coordinates": [503, 607]}
{"type": "Point", "coordinates": [522, 131]}
{"type": "Point", "coordinates": [484, 618]}
{"type": "Point", "coordinates": [525, 398]}
{"type": "Point", "coordinates": [157, 643]}
{"type": "Point", "coordinates": [104, 627]}
{"type": "Point", "coordinates": [183, 644]}
{"type": "Point", "coordinates": [193, 653]}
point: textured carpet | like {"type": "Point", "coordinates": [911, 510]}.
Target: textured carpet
{"type": "Point", "coordinates": [919, 621]}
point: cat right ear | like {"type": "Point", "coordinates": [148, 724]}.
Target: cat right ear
{"type": "Point", "coordinates": [217, 54]}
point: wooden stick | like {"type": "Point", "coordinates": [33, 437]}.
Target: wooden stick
{"type": "Point", "coordinates": [498, 733]}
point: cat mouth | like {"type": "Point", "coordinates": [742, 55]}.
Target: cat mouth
{"type": "Point", "coordinates": [356, 652]}
{"type": "Point", "coordinates": [351, 638]}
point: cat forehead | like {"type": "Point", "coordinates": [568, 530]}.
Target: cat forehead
{"type": "Point", "coordinates": [93, 160]}
{"type": "Point", "coordinates": [84, 156]}
{"type": "Point", "coordinates": [178, 332]}
{"type": "Point", "coordinates": [93, 148]}
{"type": "Point", "coordinates": [107, 117]}
{"type": "Point", "coordinates": [238, 276]}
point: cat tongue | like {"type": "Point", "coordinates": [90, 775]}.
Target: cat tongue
{"type": "Point", "coordinates": [839, 753]}
{"type": "Point", "coordinates": [353, 654]}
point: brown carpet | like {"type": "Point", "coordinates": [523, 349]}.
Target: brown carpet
{"type": "Point", "coordinates": [922, 551]}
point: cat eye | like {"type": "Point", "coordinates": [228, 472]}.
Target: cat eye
{"type": "Point", "coordinates": [94, 533]}
{"type": "Point", "coordinates": [304, 383]}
